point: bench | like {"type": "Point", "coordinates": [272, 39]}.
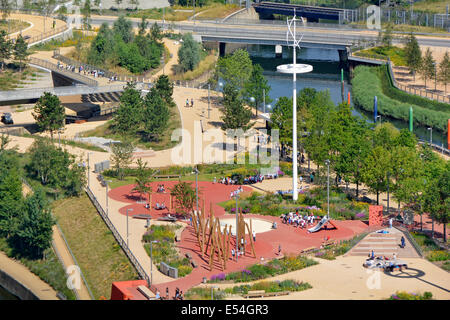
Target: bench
{"type": "Point", "coordinates": [328, 243]}
{"type": "Point", "coordinates": [168, 176]}
{"type": "Point", "coordinates": [194, 264]}
{"type": "Point", "coordinates": [188, 255]}
{"type": "Point", "coordinates": [255, 294]}
{"type": "Point", "coordinates": [307, 250]}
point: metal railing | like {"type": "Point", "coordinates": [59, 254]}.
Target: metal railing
{"type": "Point", "coordinates": [419, 92]}
{"type": "Point", "coordinates": [119, 238]}
{"type": "Point", "coordinates": [436, 147]}
{"type": "Point", "coordinates": [70, 74]}
{"type": "Point", "coordinates": [411, 239]}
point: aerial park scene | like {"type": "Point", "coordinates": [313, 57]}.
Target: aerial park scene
{"type": "Point", "coordinates": [153, 153]}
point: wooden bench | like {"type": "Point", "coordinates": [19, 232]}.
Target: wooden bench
{"type": "Point", "coordinates": [168, 176]}
{"type": "Point", "coordinates": [255, 294]}
{"type": "Point", "coordinates": [328, 243]}
{"type": "Point", "coordinates": [307, 250]}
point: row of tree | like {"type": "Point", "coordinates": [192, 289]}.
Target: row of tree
{"type": "Point", "coordinates": [379, 157]}
{"type": "Point", "coordinates": [426, 65]}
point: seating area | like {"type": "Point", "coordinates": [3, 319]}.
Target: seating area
{"type": "Point", "coordinates": [101, 179]}
{"type": "Point", "coordinates": [299, 219]}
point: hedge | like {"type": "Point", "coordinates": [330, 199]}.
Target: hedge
{"type": "Point", "coordinates": [367, 83]}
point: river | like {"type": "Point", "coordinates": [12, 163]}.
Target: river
{"type": "Point", "coordinates": [326, 75]}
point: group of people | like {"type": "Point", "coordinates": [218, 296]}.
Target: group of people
{"type": "Point", "coordinates": [160, 188]}
{"type": "Point", "coordinates": [192, 103]}
{"type": "Point", "coordinates": [253, 179]}
{"type": "Point", "coordinates": [161, 206]}
{"type": "Point", "coordinates": [236, 192]}
{"type": "Point", "coordinates": [178, 294]}
{"type": "Point", "coordinates": [80, 69]}
{"type": "Point", "coordinates": [261, 139]}
{"type": "Point", "coordinates": [297, 219]}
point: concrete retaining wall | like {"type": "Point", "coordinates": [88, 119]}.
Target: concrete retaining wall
{"type": "Point", "coordinates": [15, 287]}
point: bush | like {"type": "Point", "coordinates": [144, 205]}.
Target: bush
{"type": "Point", "coordinates": [402, 295]}
{"type": "Point", "coordinates": [439, 255]}
{"type": "Point", "coordinates": [373, 81]}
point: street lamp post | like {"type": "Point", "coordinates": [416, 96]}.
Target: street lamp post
{"type": "Point", "coordinates": [388, 192]}
{"type": "Point", "coordinates": [209, 101]}
{"type": "Point", "coordinates": [107, 207]}
{"type": "Point", "coordinates": [89, 171]}
{"type": "Point", "coordinates": [196, 186]}
{"type": "Point", "coordinates": [151, 260]}
{"type": "Point", "coordinates": [327, 162]}
{"type": "Point", "coordinates": [127, 224]}
{"type": "Point", "coordinates": [236, 228]}
{"type": "Point", "coordinates": [431, 135]}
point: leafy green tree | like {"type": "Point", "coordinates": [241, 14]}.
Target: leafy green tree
{"type": "Point", "coordinates": [156, 32]}
{"type": "Point", "coordinates": [122, 156]}
{"type": "Point", "coordinates": [49, 113]}
{"type": "Point", "coordinates": [189, 53]}
{"type": "Point", "coordinates": [20, 51]}
{"type": "Point", "coordinates": [282, 120]}
{"type": "Point", "coordinates": [124, 28]}
{"type": "Point", "coordinates": [34, 233]}
{"type": "Point", "coordinates": [156, 115]}
{"type": "Point", "coordinates": [235, 69]}
{"type": "Point", "coordinates": [444, 70]}
{"type": "Point", "coordinates": [142, 180]}
{"type": "Point", "coordinates": [165, 89]}
{"type": "Point", "coordinates": [10, 194]}
{"type": "Point", "coordinates": [413, 54]}
{"type": "Point", "coordinates": [256, 86]}
{"type": "Point", "coordinates": [5, 48]}
{"type": "Point", "coordinates": [102, 47]}
{"type": "Point", "coordinates": [185, 197]}
{"type": "Point", "coordinates": [427, 68]}
{"type": "Point", "coordinates": [86, 11]}
{"type": "Point", "coordinates": [375, 170]}
{"type": "Point", "coordinates": [143, 25]}
{"type": "Point", "coordinates": [235, 115]}
{"type": "Point", "coordinates": [129, 114]}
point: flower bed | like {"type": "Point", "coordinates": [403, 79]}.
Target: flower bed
{"type": "Point", "coordinates": [164, 250]}
{"type": "Point", "coordinates": [402, 295]}
{"type": "Point", "coordinates": [270, 286]}
{"type": "Point", "coordinates": [262, 271]}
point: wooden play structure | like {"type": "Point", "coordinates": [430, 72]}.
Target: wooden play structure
{"type": "Point", "coordinates": [214, 242]}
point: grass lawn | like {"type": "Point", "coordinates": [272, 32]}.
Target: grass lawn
{"type": "Point", "coordinates": [432, 6]}
{"type": "Point", "coordinates": [99, 256]}
{"type": "Point", "coordinates": [71, 143]}
{"type": "Point", "coordinates": [396, 54]}
{"type": "Point", "coordinates": [13, 25]}
{"type": "Point", "coordinates": [163, 143]}
{"type": "Point", "coordinates": [12, 78]}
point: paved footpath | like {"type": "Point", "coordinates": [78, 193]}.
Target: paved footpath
{"type": "Point", "coordinates": [21, 273]}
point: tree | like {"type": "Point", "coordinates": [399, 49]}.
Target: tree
{"type": "Point", "coordinates": [86, 11]}
{"type": "Point", "coordinates": [10, 194]}
{"type": "Point", "coordinates": [185, 197]}
{"type": "Point", "coordinates": [122, 156]}
{"type": "Point", "coordinates": [282, 120]}
{"type": "Point", "coordinates": [5, 7]}
{"type": "Point", "coordinates": [375, 169]}
{"type": "Point", "coordinates": [156, 114]}
{"type": "Point", "coordinates": [5, 48]}
{"type": "Point", "coordinates": [256, 86]}
{"type": "Point", "coordinates": [143, 25]}
{"type": "Point", "coordinates": [124, 28]}
{"type": "Point", "coordinates": [234, 114]}
{"type": "Point", "coordinates": [20, 51]}
{"type": "Point", "coordinates": [189, 53]}
{"type": "Point", "coordinates": [156, 33]}
{"type": "Point", "coordinates": [444, 70]}
{"type": "Point", "coordinates": [413, 54]}
{"type": "Point", "coordinates": [49, 113]}
{"type": "Point", "coordinates": [386, 36]}
{"type": "Point", "coordinates": [34, 233]}
{"type": "Point", "coordinates": [235, 69]}
{"type": "Point", "coordinates": [165, 88]}
{"type": "Point", "coordinates": [129, 114]}
{"type": "Point", "coordinates": [427, 68]}
{"type": "Point", "coordinates": [142, 179]}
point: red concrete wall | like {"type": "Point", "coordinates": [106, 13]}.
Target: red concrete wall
{"type": "Point", "coordinates": [375, 215]}
{"type": "Point", "coordinates": [120, 290]}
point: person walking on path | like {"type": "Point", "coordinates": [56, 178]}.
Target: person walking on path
{"type": "Point", "coordinates": [279, 249]}
{"type": "Point", "coordinates": [402, 240]}
{"type": "Point", "coordinates": [167, 293]}
{"type": "Point", "coordinates": [254, 236]}
{"type": "Point", "coordinates": [192, 102]}
{"type": "Point", "coordinates": [390, 222]}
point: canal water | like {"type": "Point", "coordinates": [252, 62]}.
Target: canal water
{"type": "Point", "coordinates": [5, 295]}
{"type": "Point", "coordinates": [326, 75]}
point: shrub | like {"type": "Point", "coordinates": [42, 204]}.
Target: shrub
{"type": "Point", "coordinates": [402, 295]}
{"type": "Point", "coordinates": [439, 255]}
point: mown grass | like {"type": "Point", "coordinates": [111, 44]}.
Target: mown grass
{"type": "Point", "coordinates": [374, 81]}
{"type": "Point", "coordinates": [395, 54]}
{"type": "Point", "coordinates": [77, 144]}
{"type": "Point", "coordinates": [206, 64]}
{"type": "Point", "coordinates": [12, 26]}
{"type": "Point", "coordinates": [49, 270]}
{"type": "Point", "coordinates": [100, 257]}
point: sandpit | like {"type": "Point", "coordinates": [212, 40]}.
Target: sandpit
{"type": "Point", "coordinates": [258, 225]}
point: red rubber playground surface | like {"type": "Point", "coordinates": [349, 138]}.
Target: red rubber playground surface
{"type": "Point", "coordinates": [291, 239]}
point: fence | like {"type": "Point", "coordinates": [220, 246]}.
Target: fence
{"type": "Point", "coordinates": [419, 92]}
{"type": "Point", "coordinates": [70, 74]}
{"type": "Point", "coordinates": [411, 239]}
{"type": "Point", "coordinates": [119, 239]}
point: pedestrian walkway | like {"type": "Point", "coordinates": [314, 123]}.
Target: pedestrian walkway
{"type": "Point", "coordinates": [385, 244]}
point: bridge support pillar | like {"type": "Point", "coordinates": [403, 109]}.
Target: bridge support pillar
{"type": "Point", "coordinates": [222, 47]}
{"type": "Point", "coordinates": [343, 56]}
